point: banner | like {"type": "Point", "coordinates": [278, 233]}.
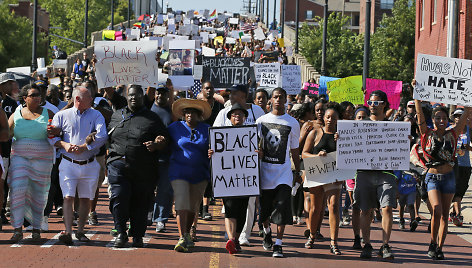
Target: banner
{"type": "Point", "coordinates": [224, 72]}
{"type": "Point", "coordinates": [320, 170]}
{"type": "Point", "coordinates": [291, 78]}
{"type": "Point", "coordinates": [393, 89]}
{"type": "Point", "coordinates": [347, 89]}
{"type": "Point", "coordinates": [443, 80]}
{"type": "Point", "coordinates": [376, 145]}
{"type": "Point", "coordinates": [234, 163]}
{"type": "Point", "coordinates": [126, 62]}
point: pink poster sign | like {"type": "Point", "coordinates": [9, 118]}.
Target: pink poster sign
{"type": "Point", "coordinates": [392, 88]}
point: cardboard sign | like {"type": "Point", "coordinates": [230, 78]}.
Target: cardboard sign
{"type": "Point", "coordinates": [224, 72]}
{"type": "Point", "coordinates": [443, 80]}
{"type": "Point", "coordinates": [347, 89]}
{"type": "Point", "coordinates": [160, 30]}
{"type": "Point", "coordinates": [126, 62]}
{"type": "Point", "coordinates": [376, 145]}
{"type": "Point", "coordinates": [320, 170]}
{"type": "Point", "coordinates": [324, 84]}
{"type": "Point", "coordinates": [393, 89]}
{"type": "Point", "coordinates": [260, 68]}
{"type": "Point", "coordinates": [291, 78]}
{"type": "Point", "coordinates": [311, 89]}
{"type": "Point", "coordinates": [234, 163]}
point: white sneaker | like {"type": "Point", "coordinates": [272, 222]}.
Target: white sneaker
{"type": "Point", "coordinates": [44, 224]}
{"type": "Point", "coordinates": [29, 228]}
{"type": "Point", "coordinates": [244, 242]}
{"type": "Point", "coordinates": [105, 181]}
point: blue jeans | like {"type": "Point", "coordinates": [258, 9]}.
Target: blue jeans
{"type": "Point", "coordinates": [165, 195]}
{"type": "Point", "coordinates": [445, 183]}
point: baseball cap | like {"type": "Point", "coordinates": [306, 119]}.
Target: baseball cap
{"type": "Point", "coordinates": [242, 88]}
{"type": "Point", "coordinates": [458, 112]}
{"type": "Point", "coordinates": [5, 77]}
{"type": "Point", "coordinates": [411, 103]}
{"type": "Point", "coordinates": [41, 83]}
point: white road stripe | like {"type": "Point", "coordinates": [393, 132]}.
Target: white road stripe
{"type": "Point", "coordinates": [20, 243]}
{"type": "Point", "coordinates": [77, 243]}
{"type": "Point", "coordinates": [51, 241]}
{"type": "Point", "coordinates": [146, 240]}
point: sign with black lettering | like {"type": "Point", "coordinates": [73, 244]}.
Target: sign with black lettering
{"type": "Point", "coordinates": [375, 145]}
{"type": "Point", "coordinates": [443, 79]}
{"type": "Point", "coordinates": [224, 72]}
{"type": "Point", "coordinates": [234, 163]}
{"type": "Point", "coordinates": [320, 170]}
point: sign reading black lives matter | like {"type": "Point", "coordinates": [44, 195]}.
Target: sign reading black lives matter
{"type": "Point", "coordinates": [444, 80]}
{"type": "Point", "coordinates": [375, 145]}
{"type": "Point", "coordinates": [224, 72]}
{"type": "Point", "coordinates": [234, 163]}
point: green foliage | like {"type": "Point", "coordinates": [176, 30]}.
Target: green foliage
{"type": "Point", "coordinates": [16, 39]}
{"type": "Point", "coordinates": [344, 48]}
{"type": "Point", "coordinates": [393, 44]}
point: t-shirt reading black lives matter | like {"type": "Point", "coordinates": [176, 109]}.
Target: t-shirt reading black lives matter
{"type": "Point", "coordinates": [279, 134]}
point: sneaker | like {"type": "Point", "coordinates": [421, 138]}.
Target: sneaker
{"type": "Point", "coordinates": [188, 241]}
{"type": "Point", "coordinates": [66, 238]}
{"type": "Point", "coordinates": [181, 245]}
{"type": "Point", "coordinates": [418, 219]}
{"type": "Point", "coordinates": [16, 237]}
{"type": "Point", "coordinates": [45, 224]}
{"type": "Point", "coordinates": [357, 243]}
{"type": "Point", "coordinates": [432, 250]}
{"type": "Point", "coordinates": [92, 218]}
{"type": "Point", "coordinates": [458, 220]}
{"type": "Point", "coordinates": [231, 246]}
{"type": "Point", "coordinates": [277, 251]}
{"type": "Point", "coordinates": [267, 242]}
{"type": "Point", "coordinates": [29, 228]}
{"type": "Point", "coordinates": [160, 227]}
{"type": "Point", "coordinates": [59, 211]}
{"type": "Point", "coordinates": [367, 251]}
{"type": "Point", "coordinates": [385, 252]}
{"type": "Point", "coordinates": [310, 243]}
{"type": "Point", "coordinates": [452, 215]}
{"type": "Point", "coordinates": [402, 224]}
{"type": "Point", "coordinates": [114, 232]}
{"type": "Point", "coordinates": [439, 254]}
{"type": "Point", "coordinates": [244, 242]}
{"type": "Point", "coordinates": [207, 216]}
{"type": "Point", "coordinates": [413, 225]}
{"type": "Point", "coordinates": [238, 247]}
{"type": "Point", "coordinates": [35, 236]}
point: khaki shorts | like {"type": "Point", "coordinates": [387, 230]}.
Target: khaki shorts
{"type": "Point", "coordinates": [188, 196]}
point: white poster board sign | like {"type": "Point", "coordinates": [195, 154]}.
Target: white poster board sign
{"type": "Point", "coordinates": [209, 52]}
{"type": "Point", "coordinates": [136, 33]}
{"type": "Point", "coordinates": [269, 68]}
{"type": "Point", "coordinates": [245, 38]}
{"type": "Point", "coordinates": [259, 34]}
{"type": "Point", "coordinates": [26, 70]}
{"type": "Point", "coordinates": [160, 30]}
{"type": "Point", "coordinates": [59, 63]}
{"type": "Point", "coordinates": [443, 80]}
{"type": "Point", "coordinates": [374, 145]}
{"type": "Point", "coordinates": [230, 40]}
{"type": "Point", "coordinates": [204, 36]}
{"type": "Point", "coordinates": [55, 81]}
{"type": "Point", "coordinates": [320, 170]}
{"type": "Point", "coordinates": [126, 62]}
{"type": "Point", "coordinates": [233, 20]}
{"type": "Point", "coordinates": [234, 163]}
{"type": "Point", "coordinates": [291, 78]}
{"type": "Point", "coordinates": [197, 72]}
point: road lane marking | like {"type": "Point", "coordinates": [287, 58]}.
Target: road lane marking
{"type": "Point", "coordinates": [77, 243]}
{"type": "Point", "coordinates": [110, 244]}
{"type": "Point", "coordinates": [20, 243]}
{"type": "Point", "coordinates": [51, 241]}
{"type": "Point", "coordinates": [215, 256]}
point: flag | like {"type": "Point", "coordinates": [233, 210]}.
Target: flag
{"type": "Point", "coordinates": [196, 88]}
{"type": "Point", "coordinates": [213, 15]}
{"type": "Point", "coordinates": [248, 27]}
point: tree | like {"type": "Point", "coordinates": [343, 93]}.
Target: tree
{"type": "Point", "coordinates": [344, 48]}
{"type": "Point", "coordinates": [393, 44]}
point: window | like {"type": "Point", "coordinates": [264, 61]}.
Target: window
{"type": "Point", "coordinates": [422, 14]}
{"type": "Point", "coordinates": [433, 10]}
{"type": "Point", "coordinates": [355, 20]}
{"type": "Point", "coordinates": [386, 4]}
{"type": "Point", "coordinates": [309, 14]}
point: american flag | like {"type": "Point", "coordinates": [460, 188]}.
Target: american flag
{"type": "Point", "coordinates": [196, 88]}
{"type": "Point", "coordinates": [247, 27]}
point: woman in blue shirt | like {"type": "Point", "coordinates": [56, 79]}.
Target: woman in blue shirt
{"type": "Point", "coordinates": [189, 167]}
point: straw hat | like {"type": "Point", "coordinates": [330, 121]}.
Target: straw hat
{"type": "Point", "coordinates": [181, 104]}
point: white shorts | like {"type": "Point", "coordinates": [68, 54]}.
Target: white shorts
{"type": "Point", "coordinates": [80, 178]}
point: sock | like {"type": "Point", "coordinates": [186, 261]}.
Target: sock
{"type": "Point", "coordinates": [278, 242]}
{"type": "Point", "coordinates": [267, 230]}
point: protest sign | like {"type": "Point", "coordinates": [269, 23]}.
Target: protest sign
{"type": "Point", "coordinates": [291, 78]}
{"type": "Point", "coordinates": [160, 30]}
{"type": "Point", "coordinates": [118, 36]}
{"type": "Point", "coordinates": [209, 52]}
{"type": "Point", "coordinates": [245, 39]}
{"type": "Point", "coordinates": [376, 145]}
{"type": "Point", "coordinates": [346, 89]}
{"type": "Point", "coordinates": [136, 33]}
{"type": "Point", "coordinates": [55, 81]}
{"type": "Point", "coordinates": [26, 70]}
{"type": "Point", "coordinates": [108, 35]}
{"type": "Point", "coordinates": [233, 20]}
{"type": "Point", "coordinates": [197, 72]}
{"type": "Point", "coordinates": [221, 17]}
{"type": "Point", "coordinates": [204, 36]}
{"type": "Point", "coordinates": [310, 89]}
{"type": "Point", "coordinates": [59, 63]}
{"type": "Point", "coordinates": [171, 28]}
{"type": "Point", "coordinates": [259, 34]}
{"type": "Point", "coordinates": [320, 170]}
{"type": "Point", "coordinates": [260, 68]}
{"type": "Point", "coordinates": [178, 18]}
{"type": "Point", "coordinates": [443, 80]}
{"type": "Point", "coordinates": [126, 62]}
{"type": "Point", "coordinates": [165, 41]}
{"type": "Point", "coordinates": [160, 19]}
{"type": "Point", "coordinates": [230, 40]}
{"type": "Point", "coordinates": [393, 89]}
{"type": "Point", "coordinates": [289, 51]}
{"type": "Point", "coordinates": [181, 59]}
{"type": "Point", "coordinates": [224, 71]}
{"type": "Point", "coordinates": [324, 83]}
{"type": "Point", "coordinates": [234, 163]}
{"type": "Point", "coordinates": [194, 30]}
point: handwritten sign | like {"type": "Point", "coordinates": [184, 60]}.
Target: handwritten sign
{"type": "Point", "coordinates": [224, 71]}
{"type": "Point", "coordinates": [291, 78]}
{"type": "Point", "coordinates": [260, 68]}
{"type": "Point", "coordinates": [393, 89]}
{"type": "Point", "coordinates": [259, 34]}
{"type": "Point", "coordinates": [346, 89]}
{"type": "Point", "coordinates": [444, 80]}
{"type": "Point", "coordinates": [324, 84]}
{"type": "Point", "coordinates": [311, 89]}
{"type": "Point", "coordinates": [320, 170]}
{"type": "Point", "coordinates": [160, 30]}
{"type": "Point", "coordinates": [126, 62]}
{"type": "Point", "coordinates": [376, 145]}
{"type": "Point", "coordinates": [234, 163]}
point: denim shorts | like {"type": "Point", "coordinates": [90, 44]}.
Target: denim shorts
{"type": "Point", "coordinates": [445, 183]}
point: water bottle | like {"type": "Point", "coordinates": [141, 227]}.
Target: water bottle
{"type": "Point", "coordinates": [50, 136]}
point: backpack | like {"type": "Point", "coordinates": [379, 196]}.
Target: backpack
{"type": "Point", "coordinates": [61, 55]}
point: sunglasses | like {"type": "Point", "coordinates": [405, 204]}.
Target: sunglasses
{"type": "Point", "coordinates": [34, 95]}
{"type": "Point", "coordinates": [193, 135]}
{"type": "Point", "coordinates": [374, 103]}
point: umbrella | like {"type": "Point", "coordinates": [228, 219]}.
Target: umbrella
{"type": "Point", "coordinates": [143, 16]}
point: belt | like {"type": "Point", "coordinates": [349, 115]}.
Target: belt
{"type": "Point", "coordinates": [79, 162]}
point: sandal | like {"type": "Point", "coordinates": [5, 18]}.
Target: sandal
{"type": "Point", "coordinates": [16, 237]}
{"type": "Point", "coordinates": [81, 237]}
{"type": "Point", "coordinates": [334, 249]}
{"type": "Point", "coordinates": [310, 242]}
{"type": "Point", "coordinates": [66, 238]}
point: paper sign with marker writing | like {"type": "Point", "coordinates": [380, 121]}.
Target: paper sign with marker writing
{"type": "Point", "coordinates": [160, 30]}
{"type": "Point", "coordinates": [291, 78]}
{"type": "Point", "coordinates": [347, 89]}
{"type": "Point", "coordinates": [259, 34]}
{"type": "Point", "coordinates": [209, 52]}
{"type": "Point", "coordinates": [374, 145]}
{"type": "Point", "coordinates": [234, 163]}
{"type": "Point", "coordinates": [268, 68]}
{"type": "Point", "coordinates": [126, 62]}
{"type": "Point", "coordinates": [233, 20]}
{"type": "Point", "coordinates": [393, 89]}
{"type": "Point", "coordinates": [320, 170]}
{"type": "Point", "coordinates": [204, 36]}
{"type": "Point", "coordinates": [443, 80]}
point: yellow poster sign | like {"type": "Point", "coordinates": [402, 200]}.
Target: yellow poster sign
{"type": "Point", "coordinates": [346, 89]}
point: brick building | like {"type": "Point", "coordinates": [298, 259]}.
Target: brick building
{"type": "Point", "coordinates": [25, 9]}
{"type": "Point", "coordinates": [378, 9]}
{"type": "Point", "coordinates": [431, 28]}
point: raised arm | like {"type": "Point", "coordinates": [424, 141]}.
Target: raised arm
{"type": "Point", "coordinates": [462, 120]}
{"type": "Point", "coordinates": [420, 117]}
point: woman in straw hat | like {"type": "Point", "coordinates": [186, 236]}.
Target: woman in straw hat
{"type": "Point", "coordinates": [189, 164]}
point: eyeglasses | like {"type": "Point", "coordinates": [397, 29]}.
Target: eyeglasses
{"type": "Point", "coordinates": [374, 103]}
{"type": "Point", "coordinates": [208, 87]}
{"type": "Point", "coordinates": [34, 95]}
{"type": "Point", "coordinates": [193, 135]}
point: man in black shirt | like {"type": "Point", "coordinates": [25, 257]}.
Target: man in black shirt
{"type": "Point", "coordinates": [135, 134]}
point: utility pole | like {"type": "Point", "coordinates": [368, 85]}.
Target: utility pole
{"type": "Point", "coordinates": [282, 19]}
{"type": "Point", "coordinates": [267, 9]}
{"type": "Point", "coordinates": [365, 72]}
{"type": "Point", "coordinates": [86, 24]}
{"type": "Point", "coordinates": [325, 36]}
{"type": "Point", "coordinates": [274, 21]}
{"type": "Point", "coordinates": [250, 9]}
{"type": "Point", "coordinates": [112, 12]}
{"type": "Point", "coordinates": [297, 22]}
{"type": "Point", "coordinates": [129, 13]}
{"type": "Point", "coordinates": [452, 29]}
{"type": "Point", "coordinates": [35, 32]}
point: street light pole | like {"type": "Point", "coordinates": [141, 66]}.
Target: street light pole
{"type": "Point", "coordinates": [112, 12]}
{"type": "Point", "coordinates": [162, 6]}
{"type": "Point", "coordinates": [365, 72]}
{"type": "Point", "coordinates": [129, 13]}
{"type": "Point", "coordinates": [282, 19]}
{"type": "Point", "coordinates": [267, 9]}
{"type": "Point", "coordinates": [325, 35]}
{"type": "Point", "coordinates": [86, 24]}
{"type": "Point", "coordinates": [273, 21]}
{"type": "Point", "coordinates": [35, 32]}
{"type": "Point", "coordinates": [297, 22]}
